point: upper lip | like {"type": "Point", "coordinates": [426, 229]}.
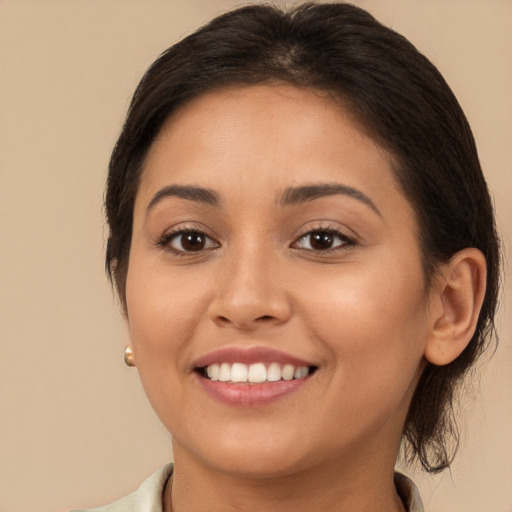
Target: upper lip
{"type": "Point", "coordinates": [248, 355]}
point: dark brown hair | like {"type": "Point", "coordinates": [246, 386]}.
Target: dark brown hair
{"type": "Point", "coordinates": [398, 97]}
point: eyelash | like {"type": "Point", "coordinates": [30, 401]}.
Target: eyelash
{"type": "Point", "coordinates": [166, 240]}
{"type": "Point", "coordinates": [345, 240]}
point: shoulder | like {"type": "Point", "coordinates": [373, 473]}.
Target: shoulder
{"type": "Point", "coordinates": [147, 498]}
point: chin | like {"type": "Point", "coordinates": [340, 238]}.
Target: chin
{"type": "Point", "coordinates": [248, 456]}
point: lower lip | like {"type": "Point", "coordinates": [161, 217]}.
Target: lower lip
{"type": "Point", "coordinates": [250, 394]}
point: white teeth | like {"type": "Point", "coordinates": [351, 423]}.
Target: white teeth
{"type": "Point", "coordinates": [255, 373]}
{"type": "Point", "coordinates": [225, 372]}
{"type": "Point", "coordinates": [239, 373]}
{"type": "Point", "coordinates": [288, 372]}
{"type": "Point", "coordinates": [274, 372]}
{"type": "Point", "coordinates": [213, 371]}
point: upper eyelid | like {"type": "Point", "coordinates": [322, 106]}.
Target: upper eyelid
{"type": "Point", "coordinates": [329, 226]}
{"type": "Point", "coordinates": [350, 240]}
{"type": "Point", "coordinates": [188, 227]}
{"type": "Point", "coordinates": [164, 240]}
{"type": "Point", "coordinates": [334, 232]}
{"type": "Point", "coordinates": [181, 231]}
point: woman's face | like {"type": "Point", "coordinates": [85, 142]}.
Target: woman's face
{"type": "Point", "coordinates": [271, 242]}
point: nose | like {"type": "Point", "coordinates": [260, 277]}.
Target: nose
{"type": "Point", "coordinates": [250, 292]}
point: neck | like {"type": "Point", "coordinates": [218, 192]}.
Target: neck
{"type": "Point", "coordinates": [329, 488]}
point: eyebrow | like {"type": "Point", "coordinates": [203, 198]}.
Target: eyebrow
{"type": "Point", "coordinates": [304, 193]}
{"type": "Point", "coordinates": [190, 192]}
{"type": "Point", "coordinates": [291, 196]}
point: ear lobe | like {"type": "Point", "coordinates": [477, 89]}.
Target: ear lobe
{"type": "Point", "coordinates": [460, 288]}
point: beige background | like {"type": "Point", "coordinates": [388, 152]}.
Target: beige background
{"type": "Point", "coordinates": [75, 429]}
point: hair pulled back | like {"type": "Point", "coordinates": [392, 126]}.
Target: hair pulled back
{"type": "Point", "coordinates": [400, 100]}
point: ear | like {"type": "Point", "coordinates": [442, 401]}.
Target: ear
{"type": "Point", "coordinates": [459, 292]}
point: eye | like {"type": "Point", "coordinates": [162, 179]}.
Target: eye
{"type": "Point", "coordinates": [186, 241]}
{"type": "Point", "coordinates": [322, 240]}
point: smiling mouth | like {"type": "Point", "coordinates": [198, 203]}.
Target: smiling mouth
{"type": "Point", "coordinates": [256, 373]}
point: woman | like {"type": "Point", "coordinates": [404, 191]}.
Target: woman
{"type": "Point", "coordinates": [304, 247]}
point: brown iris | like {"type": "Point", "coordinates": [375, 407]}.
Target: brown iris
{"type": "Point", "coordinates": [193, 241]}
{"type": "Point", "coordinates": [321, 240]}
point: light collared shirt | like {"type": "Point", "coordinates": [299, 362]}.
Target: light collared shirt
{"type": "Point", "coordinates": [148, 497]}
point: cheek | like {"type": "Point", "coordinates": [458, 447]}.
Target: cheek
{"type": "Point", "coordinates": [163, 316]}
{"type": "Point", "coordinates": [373, 330]}
{"type": "Point", "coordinates": [164, 311]}
{"type": "Point", "coordinates": [373, 323]}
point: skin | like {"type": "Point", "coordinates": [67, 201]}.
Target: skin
{"type": "Point", "coordinates": [360, 311]}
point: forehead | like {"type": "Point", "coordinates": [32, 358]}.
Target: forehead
{"type": "Point", "coordinates": [291, 132]}
{"type": "Point", "coordinates": [252, 144]}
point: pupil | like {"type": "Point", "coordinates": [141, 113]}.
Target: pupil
{"type": "Point", "coordinates": [192, 241]}
{"type": "Point", "coordinates": [321, 240]}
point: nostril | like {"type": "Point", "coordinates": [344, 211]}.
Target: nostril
{"type": "Point", "coordinates": [245, 322]}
